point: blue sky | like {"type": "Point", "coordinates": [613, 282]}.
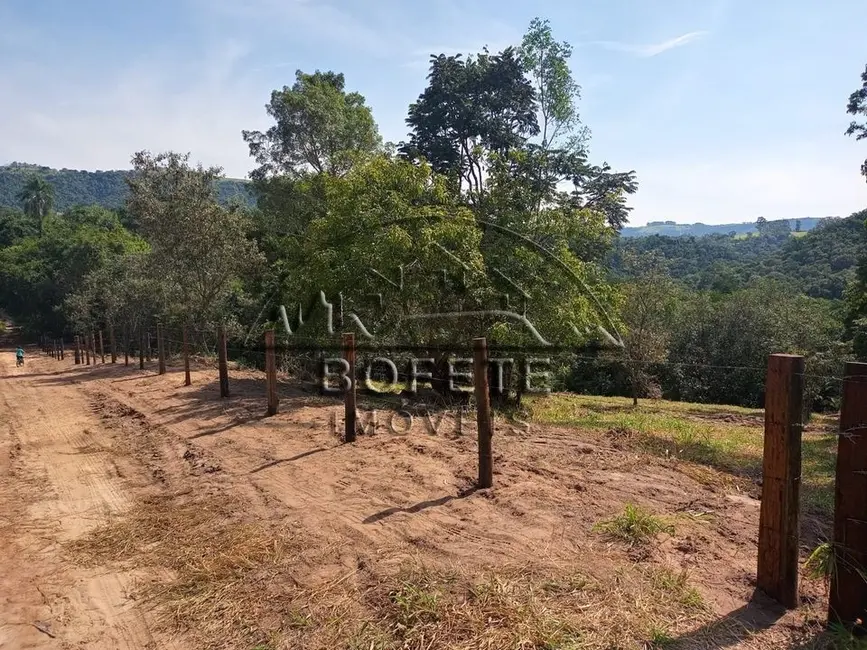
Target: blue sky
{"type": "Point", "coordinates": [727, 109]}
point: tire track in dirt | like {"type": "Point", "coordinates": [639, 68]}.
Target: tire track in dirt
{"type": "Point", "coordinates": [58, 480]}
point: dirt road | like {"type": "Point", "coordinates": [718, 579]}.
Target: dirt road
{"type": "Point", "coordinates": [139, 513]}
{"type": "Point", "coordinates": [58, 479]}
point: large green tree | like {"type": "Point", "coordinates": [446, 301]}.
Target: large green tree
{"type": "Point", "coordinates": [199, 249]}
{"type": "Point", "coordinates": [857, 295]}
{"type": "Point", "coordinates": [37, 197]}
{"type": "Point", "coordinates": [319, 127]}
{"type": "Point", "coordinates": [470, 109]}
{"type": "Point", "coordinates": [510, 120]}
{"type": "Point", "coordinates": [394, 250]}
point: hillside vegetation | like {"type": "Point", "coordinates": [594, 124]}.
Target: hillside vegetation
{"type": "Point", "coordinates": [672, 229]}
{"type": "Point", "coordinates": [467, 220]}
{"type": "Point", "coordinates": [820, 262]}
{"type": "Point", "coordinates": [107, 189]}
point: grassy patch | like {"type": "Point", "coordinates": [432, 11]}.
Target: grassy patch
{"type": "Point", "coordinates": [726, 438]}
{"type": "Point", "coordinates": [634, 526]}
{"type": "Point", "coordinates": [226, 583]}
{"type": "Point", "coordinates": [840, 638]}
{"type": "Point", "coordinates": [676, 585]}
{"type": "Point", "coordinates": [659, 638]}
{"type": "Point", "coordinates": [522, 609]}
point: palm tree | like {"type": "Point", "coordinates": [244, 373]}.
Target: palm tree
{"type": "Point", "coordinates": [38, 199]}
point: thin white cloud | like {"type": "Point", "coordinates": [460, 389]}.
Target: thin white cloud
{"type": "Point", "coordinates": [647, 51]}
{"type": "Point", "coordinates": [102, 121]}
{"type": "Point", "coordinates": [313, 22]}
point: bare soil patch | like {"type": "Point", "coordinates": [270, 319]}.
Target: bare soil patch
{"type": "Point", "coordinates": [249, 532]}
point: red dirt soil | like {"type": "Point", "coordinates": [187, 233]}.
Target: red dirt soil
{"type": "Point", "coordinates": [81, 445]}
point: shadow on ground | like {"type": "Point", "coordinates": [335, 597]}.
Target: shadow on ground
{"type": "Point", "coordinates": [759, 614]}
{"type": "Point", "coordinates": [422, 505]}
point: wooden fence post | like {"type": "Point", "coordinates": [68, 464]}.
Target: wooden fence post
{"type": "Point", "coordinates": [483, 412]}
{"type": "Point", "coordinates": [848, 601]}
{"type": "Point", "coordinates": [271, 372]}
{"type": "Point", "coordinates": [77, 351]}
{"type": "Point", "coordinates": [777, 567]}
{"type": "Point", "coordinates": [187, 380]}
{"type": "Point", "coordinates": [126, 344]}
{"type": "Point", "coordinates": [349, 401]}
{"type": "Point", "coordinates": [141, 350]}
{"type": "Point", "coordinates": [62, 351]}
{"type": "Point", "coordinates": [161, 349]}
{"type": "Point", "coordinates": [223, 362]}
{"type": "Point", "coordinates": [112, 343]}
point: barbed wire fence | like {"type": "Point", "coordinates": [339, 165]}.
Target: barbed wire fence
{"type": "Point", "coordinates": [306, 362]}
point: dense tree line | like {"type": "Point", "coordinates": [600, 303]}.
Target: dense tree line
{"type": "Point", "coordinates": [821, 263]}
{"type": "Point", "coordinates": [673, 229]}
{"type": "Point", "coordinates": [107, 189]}
{"type": "Point", "coordinates": [489, 219]}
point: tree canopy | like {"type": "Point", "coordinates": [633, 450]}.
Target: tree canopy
{"type": "Point", "coordinates": [858, 106]}
{"type": "Point", "coordinates": [319, 127]}
{"type": "Point", "coordinates": [37, 197]}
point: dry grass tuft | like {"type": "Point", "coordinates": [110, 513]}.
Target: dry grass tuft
{"type": "Point", "coordinates": [229, 580]}
{"type": "Point", "coordinates": [232, 584]}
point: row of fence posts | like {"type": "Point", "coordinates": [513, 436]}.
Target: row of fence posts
{"type": "Point", "coordinates": [779, 519]}
{"type": "Point", "coordinates": [484, 418]}
{"type": "Point", "coordinates": [53, 347]}
{"type": "Point", "coordinates": [85, 350]}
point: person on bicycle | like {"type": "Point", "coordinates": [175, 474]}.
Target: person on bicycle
{"type": "Point", "coordinates": [19, 356]}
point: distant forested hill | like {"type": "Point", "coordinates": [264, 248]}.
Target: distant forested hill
{"type": "Point", "coordinates": [820, 262]}
{"type": "Point", "coordinates": [105, 188]}
{"type": "Point", "coordinates": [672, 229]}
